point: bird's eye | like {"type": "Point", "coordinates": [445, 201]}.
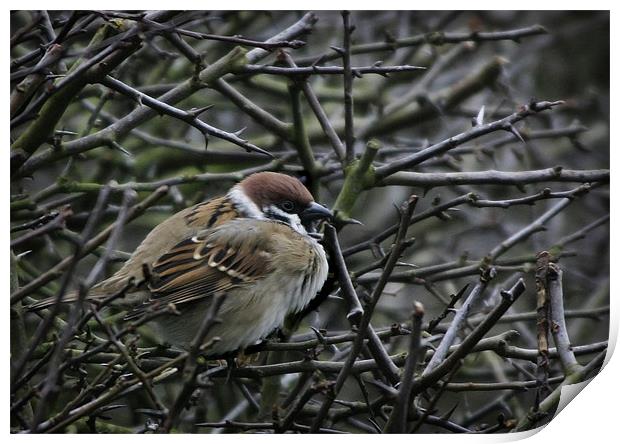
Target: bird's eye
{"type": "Point", "coordinates": [287, 206]}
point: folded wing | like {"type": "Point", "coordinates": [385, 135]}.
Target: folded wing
{"type": "Point", "coordinates": [234, 254]}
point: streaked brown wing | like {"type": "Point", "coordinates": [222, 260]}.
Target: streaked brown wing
{"type": "Point", "coordinates": [214, 261]}
{"type": "Point", "coordinates": [211, 213]}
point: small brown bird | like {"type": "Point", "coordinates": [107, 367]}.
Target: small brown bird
{"type": "Point", "coordinates": [251, 245]}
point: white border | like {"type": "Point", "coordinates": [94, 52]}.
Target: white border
{"type": "Point", "coordinates": [593, 417]}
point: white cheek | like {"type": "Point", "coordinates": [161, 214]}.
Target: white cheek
{"type": "Point", "coordinates": [244, 203]}
{"type": "Point", "coordinates": [297, 225]}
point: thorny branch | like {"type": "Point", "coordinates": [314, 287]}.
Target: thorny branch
{"type": "Point", "coordinates": [444, 116]}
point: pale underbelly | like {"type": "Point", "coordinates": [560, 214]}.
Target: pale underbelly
{"type": "Point", "coordinates": [245, 319]}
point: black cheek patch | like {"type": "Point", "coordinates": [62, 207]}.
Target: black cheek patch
{"type": "Point", "coordinates": [273, 215]}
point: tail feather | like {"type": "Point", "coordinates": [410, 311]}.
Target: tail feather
{"type": "Point", "coordinates": [68, 298]}
{"type": "Point", "coordinates": [98, 293]}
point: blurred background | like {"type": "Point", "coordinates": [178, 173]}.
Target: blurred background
{"type": "Point", "coordinates": [563, 56]}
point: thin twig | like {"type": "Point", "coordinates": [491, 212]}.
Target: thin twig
{"type": "Point", "coordinates": [355, 308]}
{"type": "Point", "coordinates": [558, 327]}
{"type": "Point", "coordinates": [508, 297]}
{"type": "Point", "coordinates": [439, 148]}
{"type": "Point", "coordinates": [190, 371]}
{"type": "Point", "coordinates": [349, 138]}
{"type": "Point", "coordinates": [397, 422]}
{"type": "Point", "coordinates": [460, 318]}
{"type": "Point", "coordinates": [399, 245]}
{"type": "Point", "coordinates": [191, 117]}
{"type": "Point", "coordinates": [319, 112]}
{"type": "Point", "coordinates": [433, 38]}
{"type": "Point", "coordinates": [57, 270]}
{"type": "Point", "coordinates": [305, 71]}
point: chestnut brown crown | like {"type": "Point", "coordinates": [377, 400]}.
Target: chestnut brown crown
{"type": "Point", "coordinates": [268, 188]}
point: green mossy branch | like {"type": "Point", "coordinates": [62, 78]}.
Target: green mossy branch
{"type": "Point", "coordinates": [54, 108]}
{"type": "Point", "coordinates": [359, 176]}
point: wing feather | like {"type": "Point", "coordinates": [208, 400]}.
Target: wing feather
{"type": "Point", "coordinates": [212, 262]}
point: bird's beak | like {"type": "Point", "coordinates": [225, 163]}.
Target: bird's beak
{"type": "Point", "coordinates": [314, 212]}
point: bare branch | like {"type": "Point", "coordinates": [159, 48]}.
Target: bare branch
{"type": "Point", "coordinates": [453, 142]}
{"type": "Point", "coordinates": [433, 38]}
{"type": "Point", "coordinates": [556, 174]}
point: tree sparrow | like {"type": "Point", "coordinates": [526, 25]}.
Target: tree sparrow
{"type": "Point", "coordinates": [251, 245]}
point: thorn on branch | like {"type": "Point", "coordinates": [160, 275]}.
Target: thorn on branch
{"type": "Point", "coordinates": [117, 146]}
{"type": "Point", "coordinates": [196, 112]}
{"type": "Point", "coordinates": [338, 50]}
{"type": "Point", "coordinates": [511, 128]}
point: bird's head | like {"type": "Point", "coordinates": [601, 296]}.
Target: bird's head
{"type": "Point", "coordinates": [276, 196]}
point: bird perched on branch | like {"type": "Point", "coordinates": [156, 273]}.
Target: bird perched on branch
{"type": "Point", "coordinates": [251, 245]}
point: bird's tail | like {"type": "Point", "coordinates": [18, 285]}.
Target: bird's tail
{"type": "Point", "coordinates": [68, 298]}
{"type": "Point", "coordinates": [98, 293]}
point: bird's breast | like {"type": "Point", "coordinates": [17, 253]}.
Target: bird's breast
{"type": "Point", "coordinates": [250, 313]}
